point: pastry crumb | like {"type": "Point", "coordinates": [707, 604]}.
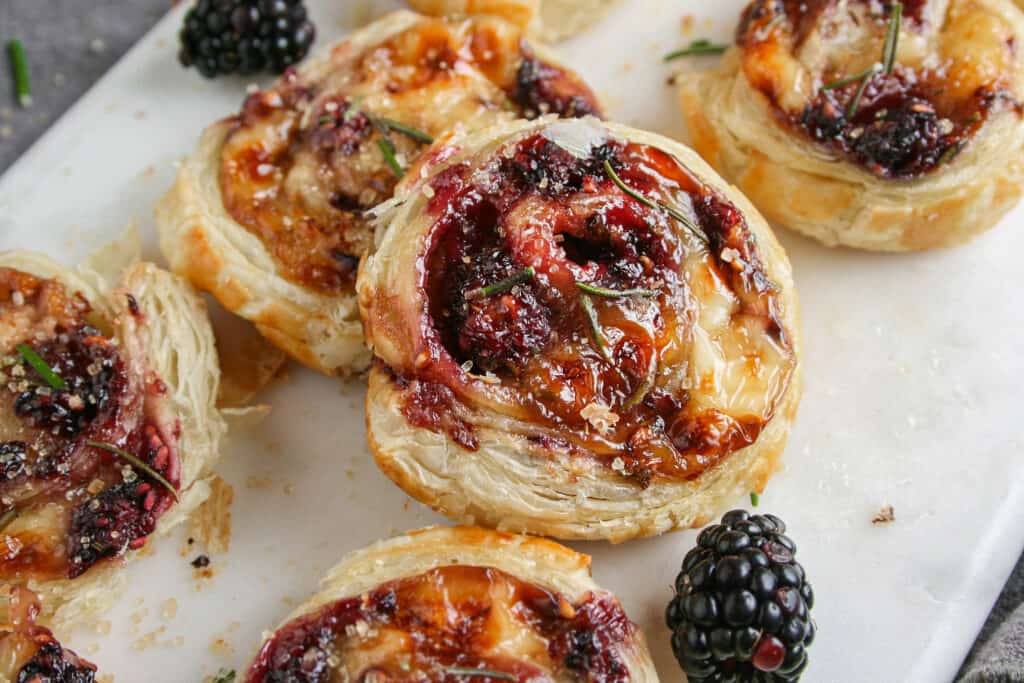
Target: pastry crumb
{"type": "Point", "coordinates": [254, 482]}
{"type": "Point", "coordinates": [169, 609]}
{"type": "Point", "coordinates": [885, 515]}
{"type": "Point", "coordinates": [211, 523]}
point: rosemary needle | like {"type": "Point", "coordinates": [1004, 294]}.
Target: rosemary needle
{"type": "Point", "coordinates": [892, 37]}
{"type": "Point", "coordinates": [136, 463]}
{"type": "Point", "coordinates": [615, 293]}
{"type": "Point", "coordinates": [387, 150]}
{"type": "Point", "coordinates": [600, 341]}
{"type": "Point", "coordinates": [502, 286]}
{"type": "Point", "coordinates": [675, 213]}
{"type": "Point", "coordinates": [41, 367]}
{"type": "Point", "coordinates": [408, 131]}
{"type": "Point", "coordinates": [483, 673]}
{"type": "Point", "coordinates": [696, 48]}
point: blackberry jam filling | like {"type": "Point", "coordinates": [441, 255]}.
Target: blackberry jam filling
{"type": "Point", "coordinates": [551, 285]}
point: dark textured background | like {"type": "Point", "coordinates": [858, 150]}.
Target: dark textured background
{"type": "Point", "coordinates": [71, 43]}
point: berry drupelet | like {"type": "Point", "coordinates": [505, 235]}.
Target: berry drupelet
{"type": "Point", "coordinates": [741, 612]}
{"type": "Point", "coordinates": [245, 36]}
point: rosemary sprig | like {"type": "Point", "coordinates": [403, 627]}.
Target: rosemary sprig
{"type": "Point", "coordinates": [484, 673]}
{"type": "Point", "coordinates": [696, 48]}
{"type": "Point", "coordinates": [387, 150]}
{"type": "Point", "coordinates": [136, 463]}
{"type": "Point", "coordinates": [502, 286]}
{"type": "Point", "coordinates": [675, 213]}
{"type": "Point", "coordinates": [224, 676]}
{"type": "Point", "coordinates": [399, 127]}
{"type": "Point", "coordinates": [859, 76]}
{"type": "Point", "coordinates": [615, 293]}
{"type": "Point", "coordinates": [7, 518]}
{"type": "Point", "coordinates": [600, 341]}
{"type": "Point", "coordinates": [41, 366]}
{"type": "Point", "coordinates": [19, 64]}
{"type": "Point", "coordinates": [851, 110]}
{"type": "Point", "coordinates": [892, 37]}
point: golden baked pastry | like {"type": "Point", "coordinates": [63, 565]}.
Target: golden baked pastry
{"type": "Point", "coordinates": [268, 214]}
{"type": "Point", "coordinates": [580, 331]}
{"type": "Point", "coordinates": [29, 653]}
{"type": "Point", "coordinates": [108, 380]}
{"type": "Point", "coordinates": [552, 20]}
{"type": "Point", "coordinates": [458, 605]}
{"type": "Point", "coordinates": [865, 125]}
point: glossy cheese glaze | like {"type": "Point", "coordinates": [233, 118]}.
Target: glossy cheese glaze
{"type": "Point", "coordinates": [958, 63]}
{"type": "Point", "coordinates": [655, 349]}
{"type": "Point", "coordinates": [30, 654]}
{"type": "Point", "coordinates": [446, 623]}
{"type": "Point", "coordinates": [66, 505]}
{"type": "Point", "coordinates": [303, 161]}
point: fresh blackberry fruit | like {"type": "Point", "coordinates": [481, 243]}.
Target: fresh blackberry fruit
{"type": "Point", "coordinates": [245, 36]}
{"type": "Point", "coordinates": [741, 612]}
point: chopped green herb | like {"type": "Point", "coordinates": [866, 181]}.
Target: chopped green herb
{"type": "Point", "coordinates": [755, 499]}
{"type": "Point", "coordinates": [892, 37]}
{"type": "Point", "coordinates": [324, 120]}
{"type": "Point", "coordinates": [615, 293]}
{"type": "Point", "coordinates": [136, 463]}
{"type": "Point", "coordinates": [600, 341]}
{"type": "Point", "coordinates": [696, 48]}
{"type": "Point", "coordinates": [19, 63]}
{"type": "Point", "coordinates": [225, 676]}
{"type": "Point", "coordinates": [483, 673]}
{"type": "Point", "coordinates": [399, 127]}
{"type": "Point", "coordinates": [675, 213]}
{"type": "Point", "coordinates": [41, 366]}
{"type": "Point", "coordinates": [502, 286]}
{"type": "Point", "coordinates": [387, 150]}
{"type": "Point", "coordinates": [8, 517]}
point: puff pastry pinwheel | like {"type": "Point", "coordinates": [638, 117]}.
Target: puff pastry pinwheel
{"type": "Point", "coordinates": [875, 125]}
{"type": "Point", "coordinates": [580, 331]}
{"type": "Point", "coordinates": [109, 428]}
{"type": "Point", "coordinates": [553, 20]}
{"type": "Point", "coordinates": [268, 215]}
{"type": "Point", "coordinates": [29, 653]}
{"type": "Point", "coordinates": [458, 605]}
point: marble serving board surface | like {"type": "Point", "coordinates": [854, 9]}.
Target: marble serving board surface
{"type": "Point", "coordinates": [913, 371]}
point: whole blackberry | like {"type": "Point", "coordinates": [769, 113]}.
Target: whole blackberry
{"type": "Point", "coordinates": [741, 612]}
{"type": "Point", "coordinates": [245, 36]}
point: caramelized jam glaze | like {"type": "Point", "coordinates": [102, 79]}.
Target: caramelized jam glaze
{"type": "Point", "coordinates": [302, 161]}
{"type": "Point", "coordinates": [439, 624]}
{"type": "Point", "coordinates": [951, 75]}
{"type": "Point", "coordinates": [67, 505]}
{"type": "Point", "coordinates": [29, 653]}
{"type": "Point", "coordinates": [692, 360]}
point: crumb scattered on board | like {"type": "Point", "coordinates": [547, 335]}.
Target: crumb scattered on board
{"type": "Point", "coordinates": [211, 523]}
{"type": "Point", "coordinates": [248, 361]}
{"type": "Point", "coordinates": [885, 515]}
